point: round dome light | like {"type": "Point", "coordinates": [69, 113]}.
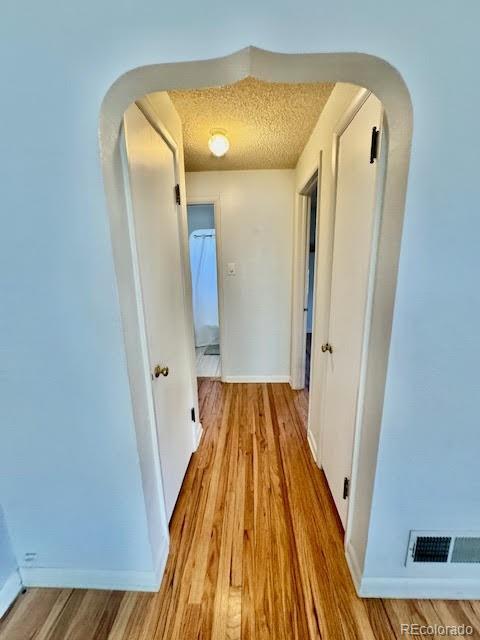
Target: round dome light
{"type": "Point", "coordinates": [218, 143]}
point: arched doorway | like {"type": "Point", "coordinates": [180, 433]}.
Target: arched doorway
{"type": "Point", "coordinates": [366, 71]}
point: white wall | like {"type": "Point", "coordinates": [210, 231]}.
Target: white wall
{"type": "Point", "coordinates": [256, 234]}
{"type": "Point", "coordinates": [84, 495]}
{"type": "Point", "coordinates": [70, 475]}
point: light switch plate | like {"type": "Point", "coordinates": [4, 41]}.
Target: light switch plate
{"type": "Point", "coordinates": [231, 269]}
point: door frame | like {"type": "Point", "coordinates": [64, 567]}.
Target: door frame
{"type": "Point", "coordinates": [215, 201]}
{"type": "Point", "coordinates": [300, 268]}
{"type": "Point", "coordinates": [361, 69]}
{"type": "Point", "coordinates": [348, 116]}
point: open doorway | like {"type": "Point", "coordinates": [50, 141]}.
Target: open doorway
{"type": "Point", "coordinates": [202, 245]}
{"type": "Point", "coordinates": [310, 263]}
{"type": "Point", "coordinates": [251, 229]}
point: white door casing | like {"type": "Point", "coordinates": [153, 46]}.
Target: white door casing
{"type": "Point", "coordinates": [352, 254]}
{"type": "Point", "coordinates": [151, 167]}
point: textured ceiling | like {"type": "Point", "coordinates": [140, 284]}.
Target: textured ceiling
{"type": "Point", "coordinates": [268, 124]}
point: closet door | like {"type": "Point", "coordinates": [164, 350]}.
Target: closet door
{"type": "Point", "coordinates": [352, 252]}
{"type": "Point", "coordinates": [151, 167]}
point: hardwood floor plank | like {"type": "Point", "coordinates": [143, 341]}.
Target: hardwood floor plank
{"type": "Point", "coordinates": [29, 614]}
{"type": "Point", "coordinates": [256, 549]}
{"type": "Point", "coordinates": [118, 630]}
{"type": "Point", "coordinates": [54, 614]}
{"type": "Point", "coordinates": [109, 615]}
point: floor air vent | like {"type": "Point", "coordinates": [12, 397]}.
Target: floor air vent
{"type": "Point", "coordinates": [431, 549]}
{"type": "Point", "coordinates": [439, 547]}
{"type": "Point", "coordinates": [466, 549]}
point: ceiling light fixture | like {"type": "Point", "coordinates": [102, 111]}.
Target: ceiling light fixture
{"type": "Point", "coordinates": [218, 143]}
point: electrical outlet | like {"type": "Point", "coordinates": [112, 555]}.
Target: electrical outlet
{"type": "Point", "coordinates": [30, 557]}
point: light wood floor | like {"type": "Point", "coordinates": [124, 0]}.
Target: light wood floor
{"type": "Point", "coordinates": [256, 548]}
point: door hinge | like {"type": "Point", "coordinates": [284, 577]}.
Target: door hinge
{"type": "Point", "coordinates": [374, 145]}
{"type": "Point", "coordinates": [192, 413]}
{"type": "Point", "coordinates": [177, 194]}
{"type": "Point", "coordinates": [346, 488]}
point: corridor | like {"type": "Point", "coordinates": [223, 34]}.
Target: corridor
{"type": "Point", "coordinates": [256, 547]}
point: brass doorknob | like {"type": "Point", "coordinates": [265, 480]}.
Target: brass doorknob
{"type": "Point", "coordinates": [160, 371]}
{"type": "Point", "coordinates": [327, 347]}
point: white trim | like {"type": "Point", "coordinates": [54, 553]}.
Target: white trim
{"type": "Point", "coordinates": [363, 70]}
{"type": "Point", "coordinates": [215, 201]}
{"type": "Point", "coordinates": [420, 588]}
{"type": "Point", "coordinates": [197, 434]}
{"type": "Point", "coordinates": [266, 379]}
{"type": "Point", "coordinates": [348, 115]}
{"type": "Point", "coordinates": [312, 444]}
{"type": "Point", "coordinates": [299, 273]}
{"type": "Point", "coordinates": [162, 560]}
{"type": "Point", "coordinates": [315, 389]}
{"type": "Point", "coordinates": [353, 565]}
{"type": "Point", "coordinates": [10, 590]}
{"type": "Point", "coordinates": [360, 403]}
{"type": "Point", "coordinates": [142, 327]}
{"type": "Point", "coordinates": [95, 579]}
{"type": "Point", "coordinates": [159, 127]}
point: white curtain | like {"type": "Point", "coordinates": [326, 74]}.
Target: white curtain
{"type": "Point", "coordinates": [203, 263]}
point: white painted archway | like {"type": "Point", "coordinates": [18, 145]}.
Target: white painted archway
{"type": "Point", "coordinates": [360, 69]}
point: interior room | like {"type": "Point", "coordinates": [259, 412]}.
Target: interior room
{"type": "Point", "coordinates": [255, 220]}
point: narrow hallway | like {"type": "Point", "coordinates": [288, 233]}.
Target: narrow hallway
{"type": "Point", "coordinates": [256, 547]}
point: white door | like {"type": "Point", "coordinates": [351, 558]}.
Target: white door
{"type": "Point", "coordinates": [352, 249]}
{"type": "Point", "coordinates": [154, 210]}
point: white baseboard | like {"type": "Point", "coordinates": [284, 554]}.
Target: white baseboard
{"type": "Point", "coordinates": [197, 434]}
{"type": "Point", "coordinates": [420, 588]}
{"type": "Point", "coordinates": [411, 588]}
{"type": "Point", "coordinates": [264, 379]}
{"type": "Point", "coordinates": [9, 591]}
{"type": "Point", "coordinates": [162, 561]}
{"type": "Point", "coordinates": [89, 579]}
{"type": "Point", "coordinates": [312, 444]}
{"type": "Point", "coordinates": [354, 566]}
{"type": "Point", "coordinates": [96, 579]}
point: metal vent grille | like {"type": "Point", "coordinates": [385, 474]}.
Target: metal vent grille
{"type": "Point", "coordinates": [431, 549]}
{"type": "Point", "coordinates": [466, 550]}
